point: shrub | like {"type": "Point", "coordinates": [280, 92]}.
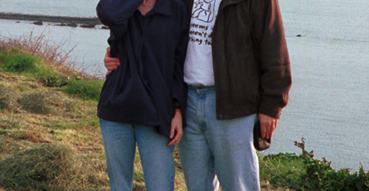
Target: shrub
{"type": "Point", "coordinates": [311, 174]}
{"type": "Point", "coordinates": [320, 176]}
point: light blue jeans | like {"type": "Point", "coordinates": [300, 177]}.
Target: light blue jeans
{"type": "Point", "coordinates": [212, 147]}
{"type": "Point", "coordinates": [156, 157]}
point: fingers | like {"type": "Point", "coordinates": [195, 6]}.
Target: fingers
{"type": "Point", "coordinates": [111, 67]}
{"type": "Point", "coordinates": [267, 125]}
{"type": "Point", "coordinates": [172, 131]}
{"type": "Point", "coordinates": [175, 133]}
{"type": "Point", "coordinates": [110, 62]}
{"type": "Point", "coordinates": [274, 126]}
{"type": "Point", "coordinates": [265, 129]}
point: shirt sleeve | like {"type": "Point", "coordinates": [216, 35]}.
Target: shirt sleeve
{"type": "Point", "coordinates": [115, 15]}
{"type": "Point", "coordinates": [273, 57]}
{"type": "Point", "coordinates": [179, 88]}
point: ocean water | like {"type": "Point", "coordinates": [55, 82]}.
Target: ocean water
{"type": "Point", "coordinates": [329, 99]}
{"type": "Point", "coordinates": [79, 8]}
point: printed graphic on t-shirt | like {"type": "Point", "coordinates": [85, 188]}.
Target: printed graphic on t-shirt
{"type": "Point", "coordinates": [203, 10]}
{"type": "Point", "coordinates": [203, 18]}
{"type": "Point", "coordinates": [198, 67]}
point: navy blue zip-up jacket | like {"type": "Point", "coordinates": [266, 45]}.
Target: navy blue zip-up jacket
{"type": "Point", "coordinates": [151, 50]}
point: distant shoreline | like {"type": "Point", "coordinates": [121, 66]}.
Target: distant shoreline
{"type": "Point", "coordinates": [48, 18]}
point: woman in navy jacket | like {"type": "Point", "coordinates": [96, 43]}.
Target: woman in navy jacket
{"type": "Point", "coordinates": [143, 100]}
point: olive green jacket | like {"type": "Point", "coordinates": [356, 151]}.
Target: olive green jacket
{"type": "Point", "coordinates": [250, 58]}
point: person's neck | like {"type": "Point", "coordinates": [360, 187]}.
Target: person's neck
{"type": "Point", "coordinates": [148, 3]}
{"type": "Point", "coordinates": [146, 6]}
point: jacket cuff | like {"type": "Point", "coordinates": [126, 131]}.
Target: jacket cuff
{"type": "Point", "coordinates": [271, 109]}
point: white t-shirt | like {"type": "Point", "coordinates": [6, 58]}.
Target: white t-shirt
{"type": "Point", "coordinates": [198, 67]}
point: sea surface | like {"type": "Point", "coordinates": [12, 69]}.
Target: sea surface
{"type": "Point", "coordinates": [329, 99]}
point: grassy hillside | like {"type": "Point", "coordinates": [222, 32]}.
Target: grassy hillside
{"type": "Point", "coordinates": [49, 133]}
{"type": "Point", "coordinates": [50, 137]}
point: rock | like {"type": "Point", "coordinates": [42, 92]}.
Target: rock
{"type": "Point", "coordinates": [61, 24]}
{"type": "Point", "coordinates": [72, 24]}
{"type": "Point", "coordinates": [38, 23]}
{"type": "Point", "coordinates": [88, 25]}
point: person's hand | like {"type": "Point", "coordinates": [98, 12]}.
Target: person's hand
{"type": "Point", "coordinates": [110, 62]}
{"type": "Point", "coordinates": [267, 125]}
{"type": "Point", "coordinates": [176, 130]}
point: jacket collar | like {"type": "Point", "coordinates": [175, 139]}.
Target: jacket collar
{"type": "Point", "coordinates": [225, 3]}
{"type": "Point", "coordinates": [162, 7]}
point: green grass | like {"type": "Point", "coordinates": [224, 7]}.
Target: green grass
{"type": "Point", "coordinates": [49, 78]}
{"type": "Point", "coordinates": [85, 89]}
{"type": "Point", "coordinates": [281, 170]}
{"type": "Point", "coordinates": [18, 62]}
{"type": "Point", "coordinates": [33, 66]}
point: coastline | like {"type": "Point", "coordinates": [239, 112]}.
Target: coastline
{"type": "Point", "coordinates": [47, 18]}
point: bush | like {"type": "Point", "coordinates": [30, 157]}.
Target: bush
{"type": "Point", "coordinates": [306, 173]}
{"type": "Point", "coordinates": [320, 176]}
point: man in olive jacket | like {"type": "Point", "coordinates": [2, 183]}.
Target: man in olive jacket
{"type": "Point", "coordinates": [238, 71]}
